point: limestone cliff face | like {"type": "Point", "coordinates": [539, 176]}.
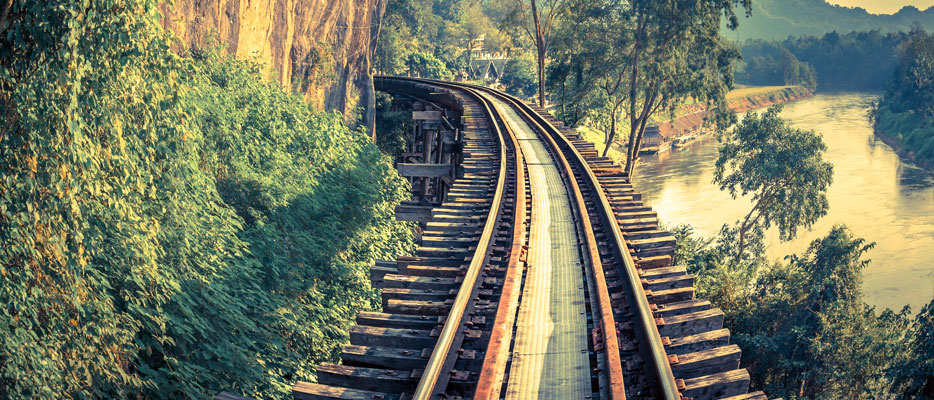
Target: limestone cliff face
{"type": "Point", "coordinates": [320, 47]}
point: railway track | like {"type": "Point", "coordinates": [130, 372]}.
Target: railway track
{"type": "Point", "coordinates": [542, 275]}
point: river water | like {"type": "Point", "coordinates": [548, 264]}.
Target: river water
{"type": "Point", "coordinates": [880, 198]}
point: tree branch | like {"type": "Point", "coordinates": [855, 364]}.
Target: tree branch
{"type": "Point", "coordinates": [5, 13]}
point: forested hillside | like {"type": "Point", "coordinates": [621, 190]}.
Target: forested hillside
{"type": "Point", "coordinates": [173, 223]}
{"type": "Point", "coordinates": [861, 61]}
{"type": "Point", "coordinates": [904, 115]}
{"type": "Point", "coordinates": [778, 19]}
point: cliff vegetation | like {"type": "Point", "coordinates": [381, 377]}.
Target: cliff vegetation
{"type": "Point", "coordinates": [174, 223]}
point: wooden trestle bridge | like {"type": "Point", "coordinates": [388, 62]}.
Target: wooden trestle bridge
{"type": "Point", "coordinates": [540, 273]}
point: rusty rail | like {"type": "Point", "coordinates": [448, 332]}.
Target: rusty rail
{"type": "Point", "coordinates": [432, 383]}
{"type": "Point", "coordinates": [658, 358]}
{"type": "Point", "coordinates": [627, 348]}
{"type": "Point", "coordinates": [487, 383]}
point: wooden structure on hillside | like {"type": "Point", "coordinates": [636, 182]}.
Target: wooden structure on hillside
{"type": "Point", "coordinates": [487, 69]}
{"type": "Point", "coordinates": [431, 161]}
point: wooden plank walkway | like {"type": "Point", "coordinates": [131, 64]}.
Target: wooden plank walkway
{"type": "Point", "coordinates": [550, 356]}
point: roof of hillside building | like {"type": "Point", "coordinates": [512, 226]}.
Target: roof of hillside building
{"type": "Point", "coordinates": [499, 64]}
{"type": "Point", "coordinates": [487, 68]}
{"type": "Point", "coordinates": [651, 130]}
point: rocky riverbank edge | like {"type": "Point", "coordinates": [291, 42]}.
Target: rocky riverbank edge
{"type": "Point", "coordinates": [780, 96]}
{"type": "Point", "coordinates": [694, 121]}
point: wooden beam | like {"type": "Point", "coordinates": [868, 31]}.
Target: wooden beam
{"type": "Point", "coordinates": [423, 170]}
{"type": "Point", "coordinates": [406, 212]}
{"type": "Point", "coordinates": [426, 115]}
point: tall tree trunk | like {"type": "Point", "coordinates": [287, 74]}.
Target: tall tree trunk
{"type": "Point", "coordinates": [612, 134]}
{"type": "Point", "coordinates": [540, 46]}
{"type": "Point", "coordinates": [640, 133]}
{"type": "Point", "coordinates": [541, 77]}
{"type": "Point", "coordinates": [369, 90]}
{"type": "Point", "coordinates": [469, 55]}
{"type": "Point", "coordinates": [633, 151]}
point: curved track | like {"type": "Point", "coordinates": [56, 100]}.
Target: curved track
{"type": "Point", "coordinates": [490, 307]}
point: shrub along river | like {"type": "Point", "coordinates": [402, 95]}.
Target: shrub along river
{"type": "Point", "coordinates": [874, 193]}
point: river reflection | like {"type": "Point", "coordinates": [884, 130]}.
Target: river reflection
{"type": "Point", "coordinates": [876, 195]}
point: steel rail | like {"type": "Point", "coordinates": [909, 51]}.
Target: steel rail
{"type": "Point", "coordinates": [658, 358]}
{"type": "Point", "coordinates": [658, 364]}
{"type": "Point", "coordinates": [616, 389]}
{"type": "Point", "coordinates": [428, 383]}
{"type": "Point", "coordinates": [496, 356]}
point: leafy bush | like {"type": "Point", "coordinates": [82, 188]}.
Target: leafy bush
{"type": "Point", "coordinates": [425, 65]}
{"type": "Point", "coordinates": [803, 326]}
{"type": "Point", "coordinates": [317, 200]}
{"type": "Point", "coordinates": [171, 226]}
{"type": "Point", "coordinates": [520, 78]}
{"type": "Point", "coordinates": [392, 127]}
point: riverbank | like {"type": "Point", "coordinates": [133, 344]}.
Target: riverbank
{"type": "Point", "coordinates": [908, 134]}
{"type": "Point", "coordinates": [750, 98]}
{"type": "Point", "coordinates": [690, 119]}
{"type": "Point", "coordinates": [874, 193]}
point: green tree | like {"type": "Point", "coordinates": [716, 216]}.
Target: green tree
{"type": "Point", "coordinates": [913, 86]}
{"type": "Point", "coordinates": [646, 57]}
{"type": "Point", "coordinates": [476, 25]}
{"type": "Point", "coordinates": [677, 52]}
{"type": "Point", "coordinates": [808, 331]}
{"type": "Point", "coordinates": [519, 77]}
{"type": "Point", "coordinates": [905, 111]}
{"type": "Point", "coordinates": [589, 68]}
{"type": "Point", "coordinates": [171, 224]}
{"type": "Point", "coordinates": [802, 324]}
{"type": "Point", "coordinates": [537, 20]}
{"type": "Point", "coordinates": [914, 377]}
{"type": "Point", "coordinates": [795, 72]}
{"type": "Point", "coordinates": [427, 66]}
{"type": "Point", "coordinates": [782, 168]}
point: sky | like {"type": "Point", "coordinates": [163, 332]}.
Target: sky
{"type": "Point", "coordinates": [883, 6]}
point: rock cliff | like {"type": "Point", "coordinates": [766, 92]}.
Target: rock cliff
{"type": "Point", "coordinates": [322, 48]}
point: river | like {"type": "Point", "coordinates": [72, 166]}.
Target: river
{"type": "Point", "coordinates": [880, 198]}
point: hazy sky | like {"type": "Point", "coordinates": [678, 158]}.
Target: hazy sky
{"type": "Point", "coordinates": [884, 6]}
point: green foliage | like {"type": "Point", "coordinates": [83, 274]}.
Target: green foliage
{"type": "Point", "coordinates": [640, 58]}
{"type": "Point", "coordinates": [442, 29]}
{"type": "Point", "coordinates": [784, 70]}
{"type": "Point", "coordinates": [392, 127]}
{"type": "Point", "coordinates": [781, 167]}
{"type": "Point", "coordinates": [317, 199]}
{"type": "Point", "coordinates": [803, 325]}
{"type": "Point", "coordinates": [426, 66]}
{"type": "Point", "coordinates": [912, 87]}
{"type": "Point", "coordinates": [906, 109]}
{"type": "Point", "coordinates": [854, 61]}
{"type": "Point", "coordinates": [914, 377]}
{"type": "Point", "coordinates": [519, 76]}
{"type": "Point", "coordinates": [171, 226]}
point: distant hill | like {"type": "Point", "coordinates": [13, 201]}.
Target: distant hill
{"type": "Point", "coordinates": [778, 19]}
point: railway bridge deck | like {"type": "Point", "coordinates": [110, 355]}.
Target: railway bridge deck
{"type": "Point", "coordinates": [540, 274]}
